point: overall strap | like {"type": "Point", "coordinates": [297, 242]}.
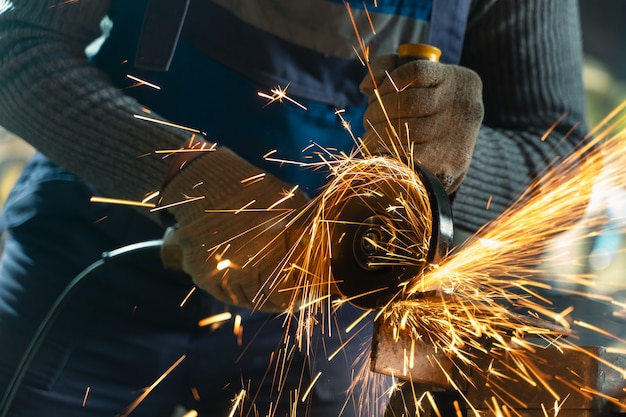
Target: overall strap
{"type": "Point", "coordinates": [447, 28]}
{"type": "Point", "coordinates": [160, 31]}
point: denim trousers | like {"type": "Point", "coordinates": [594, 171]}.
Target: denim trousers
{"type": "Point", "coordinates": [131, 321]}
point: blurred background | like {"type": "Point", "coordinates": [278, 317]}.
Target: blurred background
{"type": "Point", "coordinates": [604, 42]}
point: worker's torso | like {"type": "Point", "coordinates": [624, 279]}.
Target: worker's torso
{"type": "Point", "coordinates": [315, 46]}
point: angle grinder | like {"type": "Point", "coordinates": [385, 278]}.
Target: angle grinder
{"type": "Point", "coordinates": [373, 246]}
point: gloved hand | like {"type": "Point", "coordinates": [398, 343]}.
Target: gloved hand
{"type": "Point", "coordinates": [436, 107]}
{"type": "Point", "coordinates": [235, 255]}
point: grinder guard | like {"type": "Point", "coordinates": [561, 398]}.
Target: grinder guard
{"type": "Point", "coordinates": [367, 238]}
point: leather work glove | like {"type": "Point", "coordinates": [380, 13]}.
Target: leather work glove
{"type": "Point", "coordinates": [226, 239]}
{"type": "Point", "coordinates": [435, 107]}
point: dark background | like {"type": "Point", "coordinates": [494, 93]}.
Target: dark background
{"type": "Point", "coordinates": [604, 42]}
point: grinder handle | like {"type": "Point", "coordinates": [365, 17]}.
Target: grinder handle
{"type": "Point", "coordinates": [414, 51]}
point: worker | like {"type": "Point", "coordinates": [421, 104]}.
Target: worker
{"type": "Point", "coordinates": [100, 88]}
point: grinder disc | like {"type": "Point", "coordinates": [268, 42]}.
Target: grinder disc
{"type": "Point", "coordinates": [374, 249]}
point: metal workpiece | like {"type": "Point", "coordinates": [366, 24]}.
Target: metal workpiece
{"type": "Point", "coordinates": [549, 381]}
{"type": "Point", "coordinates": [588, 381]}
{"type": "Point", "coordinates": [407, 357]}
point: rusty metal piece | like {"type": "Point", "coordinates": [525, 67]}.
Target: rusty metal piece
{"type": "Point", "coordinates": [589, 382]}
{"type": "Point", "coordinates": [585, 382]}
{"type": "Point", "coordinates": [404, 357]}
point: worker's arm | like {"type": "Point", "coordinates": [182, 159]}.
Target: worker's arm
{"type": "Point", "coordinates": [529, 55]}
{"type": "Point", "coordinates": [52, 97]}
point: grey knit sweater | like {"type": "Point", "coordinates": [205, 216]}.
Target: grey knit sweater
{"type": "Point", "coordinates": [527, 52]}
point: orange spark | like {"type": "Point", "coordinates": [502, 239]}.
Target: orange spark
{"type": "Point", "coordinates": [151, 196]}
{"type": "Point", "coordinates": [191, 291]}
{"type": "Point", "coordinates": [165, 123]}
{"type": "Point", "coordinates": [238, 329]}
{"type": "Point", "coordinates": [279, 94]}
{"type": "Point", "coordinates": [86, 395]}
{"type": "Point", "coordinates": [254, 179]}
{"type": "Point", "coordinates": [195, 393]}
{"type": "Point", "coordinates": [143, 82]}
{"type": "Point", "coordinates": [217, 318]}
{"type": "Point", "coordinates": [310, 387]}
{"type": "Point", "coordinates": [149, 389]}
{"type": "Point", "coordinates": [177, 203]}
{"type": "Point", "coordinates": [554, 125]}
{"type": "Point", "coordinates": [237, 401]}
{"type": "Point", "coordinates": [184, 150]}
{"type": "Point", "coordinates": [96, 199]}
{"type": "Point", "coordinates": [223, 264]}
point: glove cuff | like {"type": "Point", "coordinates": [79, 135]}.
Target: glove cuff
{"type": "Point", "coordinates": [214, 180]}
{"type": "Point", "coordinates": [222, 180]}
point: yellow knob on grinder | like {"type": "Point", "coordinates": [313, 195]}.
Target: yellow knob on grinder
{"type": "Point", "coordinates": [414, 51]}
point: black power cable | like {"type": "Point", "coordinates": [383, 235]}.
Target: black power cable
{"type": "Point", "coordinates": [53, 313]}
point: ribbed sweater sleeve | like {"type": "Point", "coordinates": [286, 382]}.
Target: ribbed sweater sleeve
{"type": "Point", "coordinates": [53, 97]}
{"type": "Point", "coordinates": [529, 55]}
